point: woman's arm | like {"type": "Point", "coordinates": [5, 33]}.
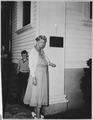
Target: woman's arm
{"type": "Point", "coordinates": [32, 59]}
{"type": "Point", "coordinates": [49, 63]}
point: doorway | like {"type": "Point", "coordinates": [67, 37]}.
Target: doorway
{"type": "Point", "coordinates": [5, 50]}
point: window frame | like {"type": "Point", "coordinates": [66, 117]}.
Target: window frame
{"type": "Point", "coordinates": [29, 16]}
{"type": "Point", "coordinates": [20, 27]}
{"type": "Point", "coordinates": [86, 7]}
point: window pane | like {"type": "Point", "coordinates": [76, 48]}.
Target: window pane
{"type": "Point", "coordinates": [26, 12]}
{"type": "Point", "coordinates": [90, 10]}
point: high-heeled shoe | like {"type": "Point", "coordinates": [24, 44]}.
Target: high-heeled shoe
{"type": "Point", "coordinates": [42, 117]}
{"type": "Point", "coordinates": [35, 118]}
{"type": "Point", "coordinates": [33, 114]}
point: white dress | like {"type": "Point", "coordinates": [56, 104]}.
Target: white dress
{"type": "Point", "coordinates": [38, 95]}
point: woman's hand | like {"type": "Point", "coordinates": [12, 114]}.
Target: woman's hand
{"type": "Point", "coordinates": [34, 81]}
{"type": "Point", "coordinates": [52, 65]}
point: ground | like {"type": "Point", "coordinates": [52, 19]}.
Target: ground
{"type": "Point", "coordinates": [16, 110]}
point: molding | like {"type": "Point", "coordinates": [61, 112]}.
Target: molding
{"type": "Point", "coordinates": [87, 23]}
{"type": "Point", "coordinates": [57, 99]}
{"type": "Point", "coordinates": [23, 29]}
{"type": "Point", "coordinates": [75, 64]}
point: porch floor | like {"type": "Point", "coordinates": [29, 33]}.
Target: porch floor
{"type": "Point", "coordinates": [15, 110]}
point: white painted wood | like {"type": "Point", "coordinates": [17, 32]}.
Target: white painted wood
{"type": "Point", "coordinates": [52, 23]}
{"type": "Point", "coordinates": [25, 39]}
{"type": "Point", "coordinates": [78, 35]}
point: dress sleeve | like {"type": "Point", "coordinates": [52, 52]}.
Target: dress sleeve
{"type": "Point", "coordinates": [32, 62]}
{"type": "Point", "coordinates": [48, 61]}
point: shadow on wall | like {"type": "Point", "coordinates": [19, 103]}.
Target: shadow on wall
{"type": "Point", "coordinates": [72, 88]}
{"type": "Point", "coordinates": [86, 86]}
{"type": "Point", "coordinates": [78, 89]}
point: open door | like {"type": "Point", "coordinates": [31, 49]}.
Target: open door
{"type": "Point", "coordinates": [5, 49]}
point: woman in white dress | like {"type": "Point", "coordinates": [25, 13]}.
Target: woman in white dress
{"type": "Point", "coordinates": [37, 92]}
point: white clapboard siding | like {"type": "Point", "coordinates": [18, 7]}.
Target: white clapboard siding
{"type": "Point", "coordinates": [78, 36]}
{"type": "Point", "coordinates": [26, 33]}
{"type": "Point", "coordinates": [24, 40]}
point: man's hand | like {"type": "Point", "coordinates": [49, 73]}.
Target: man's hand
{"type": "Point", "coordinates": [34, 81]}
{"type": "Point", "coordinates": [52, 65]}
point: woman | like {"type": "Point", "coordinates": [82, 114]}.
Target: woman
{"type": "Point", "coordinates": [37, 94]}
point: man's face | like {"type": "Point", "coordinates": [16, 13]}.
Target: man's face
{"type": "Point", "coordinates": [41, 43]}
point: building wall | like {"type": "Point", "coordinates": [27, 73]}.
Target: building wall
{"type": "Point", "coordinates": [52, 23]}
{"type": "Point", "coordinates": [78, 50]}
{"type": "Point", "coordinates": [72, 88]}
{"type": "Point", "coordinates": [77, 33]}
{"type": "Point", "coordinates": [22, 37]}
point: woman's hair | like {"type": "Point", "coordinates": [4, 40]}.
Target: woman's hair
{"type": "Point", "coordinates": [43, 37]}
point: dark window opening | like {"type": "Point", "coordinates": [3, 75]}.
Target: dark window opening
{"type": "Point", "coordinates": [26, 12]}
{"type": "Point", "coordinates": [91, 10]}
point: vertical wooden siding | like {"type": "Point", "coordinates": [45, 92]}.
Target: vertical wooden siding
{"type": "Point", "coordinates": [52, 23]}
{"type": "Point", "coordinates": [78, 36]}
{"type": "Point", "coordinates": [24, 40]}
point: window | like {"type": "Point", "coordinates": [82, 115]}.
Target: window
{"type": "Point", "coordinates": [91, 10]}
{"type": "Point", "coordinates": [26, 12]}
{"type": "Point", "coordinates": [24, 16]}
{"type": "Point", "coordinates": [87, 10]}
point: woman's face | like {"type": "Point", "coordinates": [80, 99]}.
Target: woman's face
{"type": "Point", "coordinates": [41, 43]}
